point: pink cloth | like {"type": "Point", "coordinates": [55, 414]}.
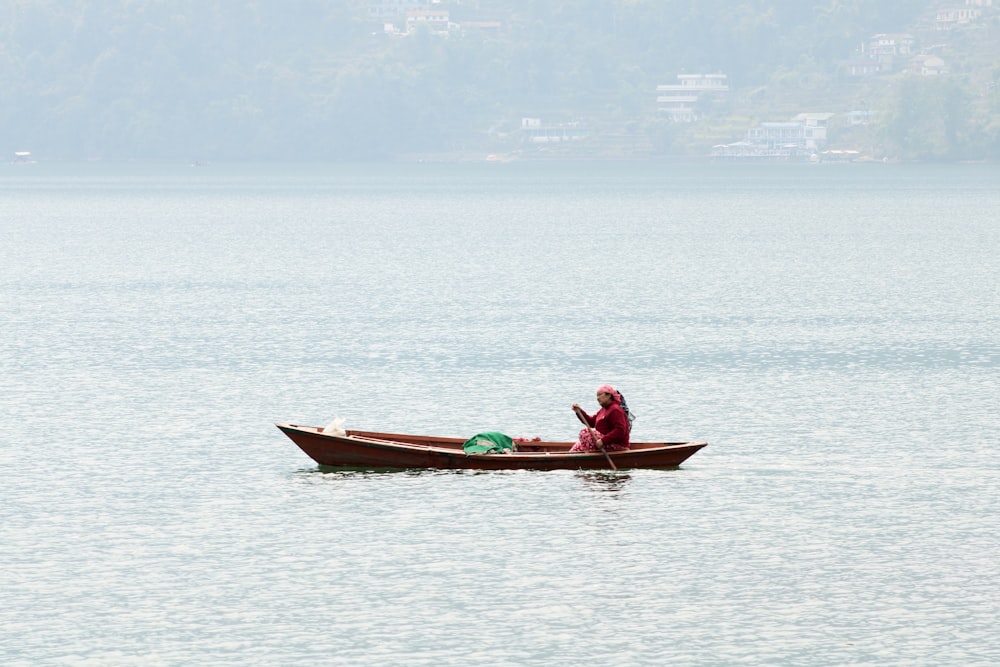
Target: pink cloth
{"type": "Point", "coordinates": [608, 389]}
{"type": "Point", "coordinates": [586, 443]}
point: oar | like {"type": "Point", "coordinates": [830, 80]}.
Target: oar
{"type": "Point", "coordinates": [593, 434]}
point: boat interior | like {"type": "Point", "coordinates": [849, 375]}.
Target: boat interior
{"type": "Point", "coordinates": [456, 443]}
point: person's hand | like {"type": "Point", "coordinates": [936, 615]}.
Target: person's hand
{"type": "Point", "coordinates": [576, 407]}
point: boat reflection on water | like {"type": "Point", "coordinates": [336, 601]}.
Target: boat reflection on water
{"type": "Point", "coordinates": [604, 481]}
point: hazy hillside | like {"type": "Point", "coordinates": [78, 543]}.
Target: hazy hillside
{"type": "Point", "coordinates": [322, 79]}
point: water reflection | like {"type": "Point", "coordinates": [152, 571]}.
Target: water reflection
{"type": "Point", "coordinates": [322, 471]}
{"type": "Point", "coordinates": [372, 471]}
{"type": "Point", "coordinates": [604, 481]}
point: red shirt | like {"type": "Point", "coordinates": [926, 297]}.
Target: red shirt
{"type": "Point", "coordinates": [613, 426]}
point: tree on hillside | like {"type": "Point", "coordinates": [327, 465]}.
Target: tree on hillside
{"type": "Point", "coordinates": [243, 79]}
{"type": "Point", "coordinates": [928, 119]}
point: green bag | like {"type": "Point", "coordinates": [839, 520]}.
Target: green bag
{"type": "Point", "coordinates": [490, 442]}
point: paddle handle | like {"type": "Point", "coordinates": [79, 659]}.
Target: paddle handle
{"type": "Point", "coordinates": [593, 434]}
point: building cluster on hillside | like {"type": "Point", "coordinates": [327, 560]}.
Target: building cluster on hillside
{"type": "Point", "coordinates": [693, 97]}
{"type": "Point", "coordinates": [399, 18]}
{"type": "Point", "coordinates": [887, 53]}
{"type": "Point", "coordinates": [805, 136]}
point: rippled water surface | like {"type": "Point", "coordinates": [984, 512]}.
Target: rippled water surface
{"type": "Point", "coordinates": [830, 330]}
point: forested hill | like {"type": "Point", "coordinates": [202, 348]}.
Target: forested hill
{"type": "Point", "coordinates": [347, 80]}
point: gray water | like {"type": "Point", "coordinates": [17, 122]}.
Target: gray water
{"type": "Point", "coordinates": [831, 331]}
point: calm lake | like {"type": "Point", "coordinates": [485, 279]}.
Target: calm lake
{"type": "Point", "coordinates": [830, 330]}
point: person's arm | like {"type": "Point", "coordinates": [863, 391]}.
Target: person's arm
{"type": "Point", "coordinates": [591, 421]}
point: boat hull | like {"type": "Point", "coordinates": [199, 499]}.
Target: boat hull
{"type": "Point", "coordinates": [366, 449]}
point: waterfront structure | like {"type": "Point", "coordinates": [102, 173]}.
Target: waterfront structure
{"type": "Point", "coordinates": [800, 138]}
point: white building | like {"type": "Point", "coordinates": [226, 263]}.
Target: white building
{"type": "Point", "coordinates": [679, 102]}
{"type": "Point", "coordinates": [435, 19]}
{"type": "Point", "coordinates": [891, 49]}
{"type": "Point", "coordinates": [948, 18]}
{"type": "Point", "coordinates": [534, 131]}
{"type": "Point", "coordinates": [396, 10]}
{"type": "Point", "coordinates": [928, 65]}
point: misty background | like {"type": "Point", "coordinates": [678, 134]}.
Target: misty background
{"type": "Point", "coordinates": [352, 80]}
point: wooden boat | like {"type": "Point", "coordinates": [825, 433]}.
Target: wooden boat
{"type": "Point", "coordinates": [370, 449]}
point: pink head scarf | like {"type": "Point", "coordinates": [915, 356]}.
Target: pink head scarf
{"type": "Point", "coordinates": [608, 389]}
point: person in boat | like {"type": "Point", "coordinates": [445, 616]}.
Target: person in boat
{"type": "Point", "coordinates": [609, 428]}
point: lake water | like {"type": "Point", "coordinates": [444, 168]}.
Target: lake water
{"type": "Point", "coordinates": [831, 331]}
